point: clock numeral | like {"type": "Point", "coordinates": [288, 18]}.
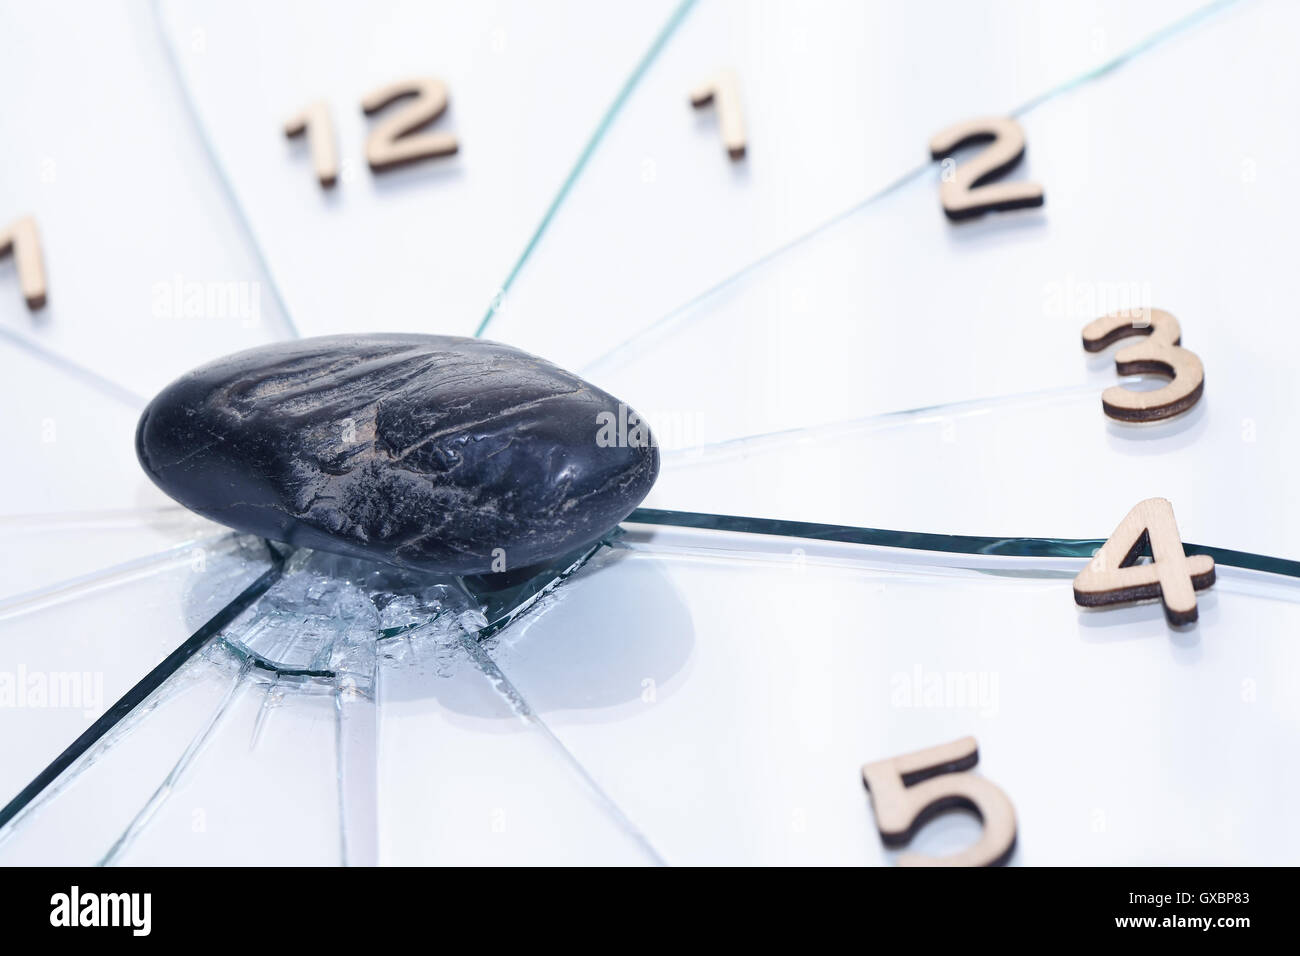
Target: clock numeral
{"type": "Point", "coordinates": [1160, 353]}
{"type": "Point", "coordinates": [724, 90]}
{"type": "Point", "coordinates": [907, 791]}
{"type": "Point", "coordinates": [315, 121]}
{"type": "Point", "coordinates": [391, 144]}
{"type": "Point", "coordinates": [970, 192]}
{"type": "Point", "coordinates": [23, 239]}
{"type": "Point", "coordinates": [1113, 577]}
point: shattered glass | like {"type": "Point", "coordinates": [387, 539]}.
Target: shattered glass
{"type": "Point", "coordinates": [818, 579]}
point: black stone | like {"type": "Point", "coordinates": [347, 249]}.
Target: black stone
{"type": "Point", "coordinates": [421, 451]}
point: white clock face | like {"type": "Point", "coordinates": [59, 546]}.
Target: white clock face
{"type": "Point", "coordinates": [821, 352]}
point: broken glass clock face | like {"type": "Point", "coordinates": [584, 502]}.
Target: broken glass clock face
{"type": "Point", "coordinates": [885, 455]}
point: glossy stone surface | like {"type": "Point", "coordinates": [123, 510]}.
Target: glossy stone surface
{"type": "Point", "coordinates": [421, 451]}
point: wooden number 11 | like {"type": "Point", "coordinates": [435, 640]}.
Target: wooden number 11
{"type": "Point", "coordinates": [23, 239]}
{"type": "Point", "coordinates": [1114, 577]}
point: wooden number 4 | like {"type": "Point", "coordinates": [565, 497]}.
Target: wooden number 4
{"type": "Point", "coordinates": [970, 191]}
{"type": "Point", "coordinates": [1113, 577]}
{"type": "Point", "coordinates": [1160, 353]}
{"type": "Point", "coordinates": [907, 791]}
{"type": "Point", "coordinates": [23, 239]}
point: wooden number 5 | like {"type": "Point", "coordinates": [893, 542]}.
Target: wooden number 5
{"type": "Point", "coordinates": [1112, 577]}
{"type": "Point", "coordinates": [391, 144]}
{"type": "Point", "coordinates": [23, 239]}
{"type": "Point", "coordinates": [907, 791]}
{"type": "Point", "coordinates": [970, 192]}
{"type": "Point", "coordinates": [1160, 353]}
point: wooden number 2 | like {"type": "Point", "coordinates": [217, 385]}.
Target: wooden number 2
{"type": "Point", "coordinates": [23, 239]}
{"type": "Point", "coordinates": [316, 123]}
{"type": "Point", "coordinates": [968, 194]}
{"type": "Point", "coordinates": [906, 791]}
{"type": "Point", "coordinates": [391, 144]}
{"type": "Point", "coordinates": [1160, 353]}
{"type": "Point", "coordinates": [724, 89]}
{"type": "Point", "coordinates": [1112, 577]}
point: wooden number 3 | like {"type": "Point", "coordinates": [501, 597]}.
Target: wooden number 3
{"type": "Point", "coordinates": [1160, 353]}
{"type": "Point", "coordinates": [907, 791]}
{"type": "Point", "coordinates": [971, 192]}
{"type": "Point", "coordinates": [1113, 577]}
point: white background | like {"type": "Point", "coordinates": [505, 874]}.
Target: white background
{"type": "Point", "coordinates": [150, 148]}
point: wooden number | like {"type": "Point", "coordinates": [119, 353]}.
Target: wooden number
{"type": "Point", "coordinates": [907, 791]}
{"type": "Point", "coordinates": [391, 145]}
{"type": "Point", "coordinates": [967, 194]}
{"type": "Point", "coordinates": [1112, 577]}
{"type": "Point", "coordinates": [724, 89]}
{"type": "Point", "coordinates": [315, 121]}
{"type": "Point", "coordinates": [1160, 353]}
{"type": "Point", "coordinates": [25, 242]}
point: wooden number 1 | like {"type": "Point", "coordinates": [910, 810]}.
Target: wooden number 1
{"type": "Point", "coordinates": [391, 144]}
{"type": "Point", "coordinates": [25, 242]}
{"type": "Point", "coordinates": [724, 90]}
{"type": "Point", "coordinates": [907, 791]}
{"type": "Point", "coordinates": [1113, 577]}
{"type": "Point", "coordinates": [1160, 353]}
{"type": "Point", "coordinates": [316, 123]}
{"type": "Point", "coordinates": [971, 192]}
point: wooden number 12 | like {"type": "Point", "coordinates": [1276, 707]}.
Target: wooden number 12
{"type": "Point", "coordinates": [1113, 577]}
{"type": "Point", "coordinates": [394, 141]}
